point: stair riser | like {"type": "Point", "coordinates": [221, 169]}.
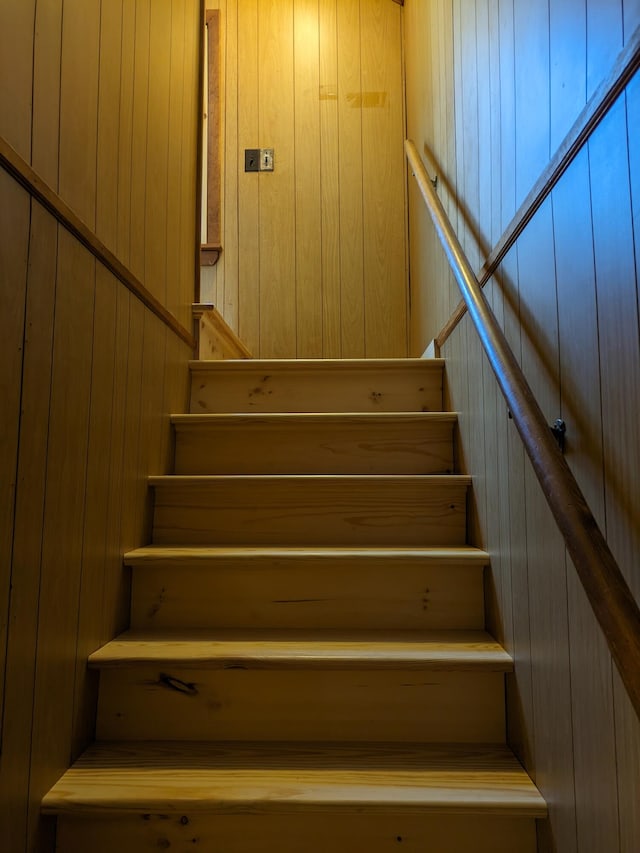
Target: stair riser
{"type": "Point", "coordinates": [136, 703]}
{"type": "Point", "coordinates": [273, 388]}
{"type": "Point", "coordinates": [309, 594]}
{"type": "Point", "coordinates": [294, 833]}
{"type": "Point", "coordinates": [342, 447]}
{"type": "Point", "coordinates": [308, 511]}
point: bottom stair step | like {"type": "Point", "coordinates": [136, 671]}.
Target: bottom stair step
{"type": "Point", "coordinates": [293, 797]}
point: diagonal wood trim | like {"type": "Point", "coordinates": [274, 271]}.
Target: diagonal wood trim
{"type": "Point", "coordinates": [623, 69]}
{"type": "Point", "coordinates": [609, 595]}
{"type": "Point", "coordinates": [22, 172]}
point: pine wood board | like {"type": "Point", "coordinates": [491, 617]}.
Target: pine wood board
{"type": "Point", "coordinates": [330, 179]}
{"type": "Point", "coordinates": [79, 107]}
{"type": "Point", "coordinates": [351, 28]}
{"type": "Point", "coordinates": [216, 340]}
{"type": "Point", "coordinates": [337, 588]}
{"type": "Point", "coordinates": [299, 510]}
{"type": "Point", "coordinates": [244, 230]}
{"type": "Point", "coordinates": [47, 49]}
{"type": "Point", "coordinates": [317, 385]}
{"type": "Point", "coordinates": [157, 165]}
{"type": "Point", "coordinates": [16, 74]}
{"type": "Point", "coordinates": [164, 702]}
{"type": "Point", "coordinates": [15, 214]}
{"type": "Point", "coordinates": [423, 833]}
{"type": "Point", "coordinates": [276, 190]}
{"type": "Point", "coordinates": [137, 187]}
{"type": "Point", "coordinates": [450, 651]}
{"type": "Point", "coordinates": [109, 85]}
{"type": "Point", "coordinates": [383, 166]}
{"type": "Point", "coordinates": [252, 778]}
{"type": "Point", "coordinates": [63, 521]}
{"type": "Point", "coordinates": [95, 545]}
{"type": "Point", "coordinates": [22, 625]}
{"type": "Point", "coordinates": [176, 210]}
{"type": "Point", "coordinates": [308, 206]}
{"type": "Point", "coordinates": [416, 443]}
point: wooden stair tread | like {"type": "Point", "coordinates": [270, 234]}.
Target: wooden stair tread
{"type": "Point", "coordinates": [299, 365]}
{"type": "Point", "coordinates": [257, 778]}
{"type": "Point", "coordinates": [184, 421]}
{"type": "Point", "coordinates": [368, 480]}
{"type": "Point", "coordinates": [195, 554]}
{"type": "Point", "coordinates": [294, 649]}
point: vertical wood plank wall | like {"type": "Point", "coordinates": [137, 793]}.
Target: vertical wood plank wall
{"type": "Point", "coordinates": [492, 88]}
{"type": "Point", "coordinates": [314, 254]}
{"type": "Point", "coordinates": [100, 98]}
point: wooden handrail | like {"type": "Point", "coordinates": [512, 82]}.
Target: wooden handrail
{"type": "Point", "coordinates": [625, 66]}
{"type": "Point", "coordinates": [22, 172]}
{"type": "Point", "coordinates": [609, 595]}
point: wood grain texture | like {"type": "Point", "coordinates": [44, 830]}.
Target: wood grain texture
{"type": "Point", "coordinates": [314, 444]}
{"type": "Point", "coordinates": [352, 101]}
{"type": "Point", "coordinates": [277, 188]}
{"type": "Point", "coordinates": [63, 519]}
{"type": "Point", "coordinates": [577, 322]}
{"type": "Point", "coordinates": [16, 73]}
{"type": "Point", "coordinates": [213, 127]}
{"type": "Point", "coordinates": [217, 340]}
{"type": "Point", "coordinates": [330, 172]}
{"type": "Point", "coordinates": [308, 172]}
{"type": "Point", "coordinates": [79, 107]}
{"type": "Point", "coordinates": [15, 216]}
{"type": "Point", "coordinates": [313, 588]}
{"type": "Point", "coordinates": [555, 646]}
{"type": "Point", "coordinates": [368, 385]}
{"type": "Point", "coordinates": [600, 101]}
{"type": "Point", "coordinates": [156, 164]}
{"type": "Point", "coordinates": [27, 536]}
{"type": "Point", "coordinates": [450, 651]}
{"type": "Point", "coordinates": [161, 702]}
{"type": "Point", "coordinates": [293, 278]}
{"type": "Point", "coordinates": [209, 778]}
{"type": "Point", "coordinates": [74, 333]}
{"type": "Point", "coordinates": [316, 510]}
{"type": "Point", "coordinates": [383, 175]}
{"type": "Point", "coordinates": [94, 534]}
{"type": "Point", "coordinates": [290, 833]}
{"type": "Point", "coordinates": [244, 71]}
{"type": "Point", "coordinates": [47, 53]}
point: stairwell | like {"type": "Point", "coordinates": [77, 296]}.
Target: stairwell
{"type": "Point", "coordinates": [307, 667]}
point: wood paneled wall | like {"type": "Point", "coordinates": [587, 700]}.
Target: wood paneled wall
{"type": "Point", "coordinates": [314, 254]}
{"type": "Point", "coordinates": [493, 86]}
{"type": "Point", "coordinates": [101, 98]}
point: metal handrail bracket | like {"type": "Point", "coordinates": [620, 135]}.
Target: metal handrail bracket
{"type": "Point", "coordinates": [608, 592]}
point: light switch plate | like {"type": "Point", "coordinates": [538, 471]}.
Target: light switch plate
{"type": "Point", "coordinates": [266, 159]}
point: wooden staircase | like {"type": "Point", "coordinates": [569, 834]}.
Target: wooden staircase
{"type": "Point", "coordinates": [307, 668]}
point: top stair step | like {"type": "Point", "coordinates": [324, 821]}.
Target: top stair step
{"type": "Point", "coordinates": [317, 385]}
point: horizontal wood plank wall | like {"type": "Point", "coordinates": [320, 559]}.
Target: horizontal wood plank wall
{"type": "Point", "coordinates": [313, 261]}
{"type": "Point", "coordinates": [102, 102]}
{"type": "Point", "coordinates": [567, 295]}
